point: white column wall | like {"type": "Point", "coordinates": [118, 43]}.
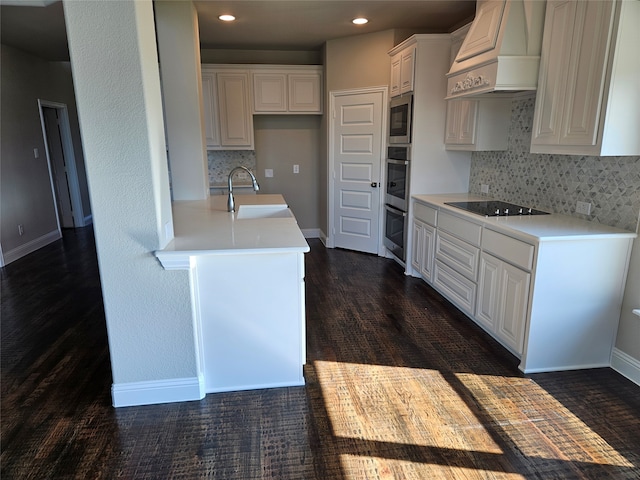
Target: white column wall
{"type": "Point", "coordinates": [179, 51]}
{"type": "Point", "coordinates": [115, 69]}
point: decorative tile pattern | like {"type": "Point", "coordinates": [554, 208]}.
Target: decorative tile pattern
{"type": "Point", "coordinates": [221, 162]}
{"type": "Point", "coordinates": [556, 182]}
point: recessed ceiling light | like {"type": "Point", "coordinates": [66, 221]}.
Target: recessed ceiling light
{"type": "Point", "coordinates": [227, 18]}
{"type": "Point", "coordinates": [360, 21]}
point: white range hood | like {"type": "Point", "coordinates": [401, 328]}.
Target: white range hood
{"type": "Point", "coordinates": [501, 52]}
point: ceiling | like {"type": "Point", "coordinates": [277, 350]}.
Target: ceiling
{"type": "Point", "coordinates": [260, 25]}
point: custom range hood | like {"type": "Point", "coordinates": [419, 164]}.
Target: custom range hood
{"type": "Point", "coordinates": [501, 52]}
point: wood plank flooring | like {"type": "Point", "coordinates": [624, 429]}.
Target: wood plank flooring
{"type": "Point", "coordinates": [399, 386]}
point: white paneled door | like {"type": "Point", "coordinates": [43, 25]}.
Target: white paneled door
{"type": "Point", "coordinates": [357, 149]}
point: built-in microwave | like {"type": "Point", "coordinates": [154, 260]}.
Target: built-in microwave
{"type": "Point", "coordinates": [400, 113]}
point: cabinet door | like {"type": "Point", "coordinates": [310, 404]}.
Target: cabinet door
{"type": "Point", "coordinates": [452, 129]}
{"type": "Point", "coordinates": [210, 109]}
{"type": "Point", "coordinates": [488, 292]}
{"type": "Point", "coordinates": [428, 252]}
{"type": "Point", "coordinates": [417, 250]}
{"type": "Point", "coordinates": [236, 126]}
{"type": "Point", "coordinates": [395, 75]}
{"type": "Point", "coordinates": [554, 66]}
{"type": "Point", "coordinates": [514, 295]}
{"type": "Point", "coordinates": [269, 92]}
{"type": "Point", "coordinates": [461, 122]}
{"type": "Point", "coordinates": [305, 92]}
{"type": "Point", "coordinates": [407, 70]}
{"type": "Point", "coordinates": [587, 73]}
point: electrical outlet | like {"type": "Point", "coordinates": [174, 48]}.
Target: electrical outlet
{"type": "Point", "coordinates": [268, 173]}
{"type": "Point", "coordinates": [584, 208]}
{"type": "Point", "coordinates": [20, 230]}
{"type": "Point", "coordinates": [484, 188]}
{"type": "Point", "coordinates": [296, 169]}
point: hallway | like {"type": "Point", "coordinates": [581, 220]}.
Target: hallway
{"type": "Point", "coordinates": [399, 385]}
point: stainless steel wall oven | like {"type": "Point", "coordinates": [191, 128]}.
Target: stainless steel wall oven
{"type": "Point", "coordinates": [398, 165]}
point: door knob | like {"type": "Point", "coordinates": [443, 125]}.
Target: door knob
{"type": "Point", "coordinates": [374, 184]}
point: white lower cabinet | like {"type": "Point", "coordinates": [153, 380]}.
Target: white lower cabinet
{"type": "Point", "coordinates": [456, 260]}
{"type": "Point", "coordinates": [423, 244]}
{"type": "Point", "coordinates": [536, 295]}
{"type": "Point", "coordinates": [503, 293]}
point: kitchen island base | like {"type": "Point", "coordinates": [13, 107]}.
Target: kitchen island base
{"type": "Point", "coordinates": [250, 312]}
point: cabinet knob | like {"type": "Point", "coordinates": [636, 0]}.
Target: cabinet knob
{"type": "Point", "coordinates": [374, 184]}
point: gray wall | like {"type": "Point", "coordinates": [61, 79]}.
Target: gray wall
{"type": "Point", "coordinates": [284, 141]}
{"type": "Point", "coordinates": [25, 189]}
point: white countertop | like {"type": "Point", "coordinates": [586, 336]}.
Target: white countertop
{"type": "Point", "coordinates": [205, 227]}
{"type": "Point", "coordinates": [539, 228]}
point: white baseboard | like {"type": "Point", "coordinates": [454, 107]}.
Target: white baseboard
{"type": "Point", "coordinates": [626, 365]}
{"type": "Point", "coordinates": [323, 238]}
{"type": "Point", "coordinates": [32, 246]}
{"type": "Point", "coordinates": [257, 386]}
{"type": "Point", "coordinates": [311, 232]}
{"type": "Point", "coordinates": [157, 391]}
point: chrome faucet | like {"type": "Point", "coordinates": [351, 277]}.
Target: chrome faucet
{"type": "Point", "coordinates": [231, 206]}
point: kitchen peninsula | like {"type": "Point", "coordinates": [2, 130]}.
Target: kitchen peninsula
{"type": "Point", "coordinates": [547, 287]}
{"type": "Point", "coordinates": [247, 287]}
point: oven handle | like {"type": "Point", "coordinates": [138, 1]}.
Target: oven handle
{"type": "Point", "coordinates": [395, 210]}
{"type": "Point", "coordinates": [397, 162]}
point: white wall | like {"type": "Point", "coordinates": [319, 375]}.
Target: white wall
{"type": "Point", "coordinates": [179, 51]}
{"type": "Point", "coordinates": [148, 310]}
{"type": "Point", "coordinates": [628, 339]}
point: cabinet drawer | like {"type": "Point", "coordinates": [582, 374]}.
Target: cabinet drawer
{"type": "Point", "coordinates": [507, 248]}
{"type": "Point", "coordinates": [464, 229]}
{"type": "Point", "coordinates": [458, 255]}
{"type": "Point", "coordinates": [425, 214]}
{"type": "Point", "coordinates": [460, 290]}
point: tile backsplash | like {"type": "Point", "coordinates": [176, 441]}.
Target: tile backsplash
{"type": "Point", "coordinates": [221, 162]}
{"type": "Point", "coordinates": [556, 182]}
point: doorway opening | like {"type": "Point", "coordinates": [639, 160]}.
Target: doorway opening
{"type": "Point", "coordinates": [63, 174]}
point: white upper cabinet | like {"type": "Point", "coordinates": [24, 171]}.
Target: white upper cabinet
{"type": "Point", "coordinates": [278, 90]}
{"type": "Point", "coordinates": [402, 71]}
{"type": "Point", "coordinates": [236, 122]}
{"type": "Point", "coordinates": [588, 100]}
{"type": "Point", "coordinates": [305, 92]}
{"type": "Point", "coordinates": [269, 92]}
{"type": "Point", "coordinates": [226, 108]}
{"type": "Point", "coordinates": [210, 106]}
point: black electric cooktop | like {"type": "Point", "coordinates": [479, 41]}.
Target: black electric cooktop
{"type": "Point", "coordinates": [495, 208]}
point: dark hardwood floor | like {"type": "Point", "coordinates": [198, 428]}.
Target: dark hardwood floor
{"type": "Point", "coordinates": [399, 386]}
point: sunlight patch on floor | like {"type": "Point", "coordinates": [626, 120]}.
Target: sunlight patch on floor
{"type": "Point", "coordinates": [517, 406]}
{"type": "Point", "coordinates": [398, 405]}
{"type": "Point", "coordinates": [357, 467]}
